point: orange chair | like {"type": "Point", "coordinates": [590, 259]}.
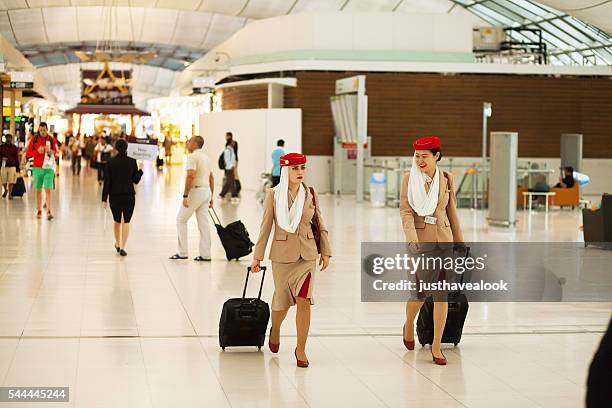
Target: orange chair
{"type": "Point", "coordinates": [566, 196]}
{"type": "Point", "coordinates": [563, 196]}
{"type": "Point", "coordinates": [520, 199]}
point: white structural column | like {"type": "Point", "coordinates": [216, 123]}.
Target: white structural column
{"type": "Point", "coordinates": [502, 189]}
{"type": "Point", "coordinates": [362, 133]}
{"type": "Point", "coordinates": [276, 99]}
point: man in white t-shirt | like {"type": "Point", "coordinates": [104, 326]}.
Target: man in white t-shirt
{"type": "Point", "coordinates": [197, 198]}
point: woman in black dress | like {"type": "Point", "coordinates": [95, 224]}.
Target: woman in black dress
{"type": "Point", "coordinates": [121, 174]}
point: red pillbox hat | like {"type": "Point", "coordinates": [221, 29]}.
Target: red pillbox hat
{"type": "Point", "coordinates": [427, 143]}
{"type": "Point", "coordinates": [292, 159]}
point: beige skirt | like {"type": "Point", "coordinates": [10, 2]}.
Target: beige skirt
{"type": "Point", "coordinates": [424, 276]}
{"type": "Point", "coordinates": [288, 280]}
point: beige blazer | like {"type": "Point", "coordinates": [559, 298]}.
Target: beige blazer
{"type": "Point", "coordinates": [446, 229]}
{"type": "Point", "coordinates": [286, 247]}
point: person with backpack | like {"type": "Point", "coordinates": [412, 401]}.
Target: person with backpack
{"type": "Point", "coordinates": [229, 138]}
{"type": "Point", "coordinates": [103, 152]}
{"type": "Point", "coordinates": [9, 162]}
{"type": "Point", "coordinates": [43, 149]}
{"type": "Point", "coordinates": [227, 162]}
{"type": "Point", "coordinates": [300, 236]}
{"type": "Point", "coordinates": [428, 210]}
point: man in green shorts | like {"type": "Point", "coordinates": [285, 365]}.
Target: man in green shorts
{"type": "Point", "coordinates": [43, 149]}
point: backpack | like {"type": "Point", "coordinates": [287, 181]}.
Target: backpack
{"type": "Point", "coordinates": [222, 161]}
{"type": "Point", "coordinates": [36, 136]}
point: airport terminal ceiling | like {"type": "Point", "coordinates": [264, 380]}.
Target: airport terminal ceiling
{"type": "Point", "coordinates": [48, 32]}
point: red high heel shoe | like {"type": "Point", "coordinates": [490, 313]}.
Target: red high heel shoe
{"type": "Point", "coordinates": [438, 360]}
{"type": "Point", "coordinates": [273, 347]}
{"type": "Point", "coordinates": [408, 343]}
{"type": "Point", "coordinates": [300, 363]}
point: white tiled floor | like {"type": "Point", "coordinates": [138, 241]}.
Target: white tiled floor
{"type": "Point", "coordinates": [141, 330]}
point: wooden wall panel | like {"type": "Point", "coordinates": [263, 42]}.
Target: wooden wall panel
{"type": "Point", "coordinates": [404, 106]}
{"type": "Point", "coordinates": [245, 97]}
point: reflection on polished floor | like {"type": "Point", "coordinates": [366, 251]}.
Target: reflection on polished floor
{"type": "Point", "coordinates": [142, 330]}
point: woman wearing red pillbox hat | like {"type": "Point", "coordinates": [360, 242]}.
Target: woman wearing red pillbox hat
{"type": "Point", "coordinates": [293, 209]}
{"type": "Point", "coordinates": [428, 209]}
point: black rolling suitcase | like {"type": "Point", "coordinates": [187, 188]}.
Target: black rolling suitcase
{"type": "Point", "coordinates": [234, 238]}
{"type": "Point", "coordinates": [19, 188]}
{"type": "Point", "coordinates": [244, 320]}
{"type": "Point", "coordinates": [457, 311]}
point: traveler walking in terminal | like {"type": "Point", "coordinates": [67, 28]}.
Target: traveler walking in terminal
{"type": "Point", "coordinates": [88, 152]}
{"type": "Point", "coordinates": [293, 208]}
{"type": "Point", "coordinates": [43, 149]}
{"type": "Point", "coordinates": [168, 147]}
{"type": "Point", "coordinates": [61, 148]}
{"type": "Point", "coordinates": [197, 198]}
{"type": "Point", "coordinates": [120, 175]}
{"type": "Point", "coordinates": [103, 152]}
{"type": "Point", "coordinates": [428, 210]}
{"type": "Point", "coordinates": [229, 184]}
{"type": "Point", "coordinates": [229, 137]}
{"type": "Point", "coordinates": [76, 147]}
{"type": "Point", "coordinates": [9, 163]}
{"type": "Point", "coordinates": [276, 155]}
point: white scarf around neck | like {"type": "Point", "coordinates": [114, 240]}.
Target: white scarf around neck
{"type": "Point", "coordinates": [288, 219]}
{"type": "Point", "coordinates": [422, 201]}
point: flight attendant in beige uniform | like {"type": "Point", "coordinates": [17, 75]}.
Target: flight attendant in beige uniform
{"type": "Point", "coordinates": [428, 208]}
{"type": "Point", "coordinates": [291, 207]}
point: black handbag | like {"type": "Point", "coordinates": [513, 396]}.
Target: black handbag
{"type": "Point", "coordinates": [314, 224]}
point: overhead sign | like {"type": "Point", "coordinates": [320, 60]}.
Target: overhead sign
{"type": "Point", "coordinates": [203, 82]}
{"type": "Point", "coordinates": [142, 149]}
{"type": "Point", "coordinates": [22, 85]}
{"type": "Point", "coordinates": [350, 85]}
{"type": "Point", "coordinates": [106, 87]}
{"type": "Point", "coordinates": [22, 76]}
{"type": "Point", "coordinates": [203, 85]}
{"type": "Point", "coordinates": [22, 79]}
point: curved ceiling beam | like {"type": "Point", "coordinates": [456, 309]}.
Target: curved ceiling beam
{"type": "Point", "coordinates": [193, 29]}
{"type": "Point", "coordinates": [173, 57]}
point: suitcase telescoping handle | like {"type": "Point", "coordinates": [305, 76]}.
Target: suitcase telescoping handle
{"type": "Point", "coordinates": [263, 269]}
{"type": "Point", "coordinates": [214, 216]}
{"type": "Point", "coordinates": [467, 254]}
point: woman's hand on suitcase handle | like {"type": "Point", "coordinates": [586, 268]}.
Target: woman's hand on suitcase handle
{"type": "Point", "coordinates": [255, 266]}
{"type": "Point", "coordinates": [324, 262]}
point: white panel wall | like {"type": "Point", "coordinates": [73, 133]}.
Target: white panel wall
{"type": "Point", "coordinates": [256, 131]}
{"type": "Point", "coordinates": [373, 32]}
{"type": "Point", "coordinates": [353, 31]}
